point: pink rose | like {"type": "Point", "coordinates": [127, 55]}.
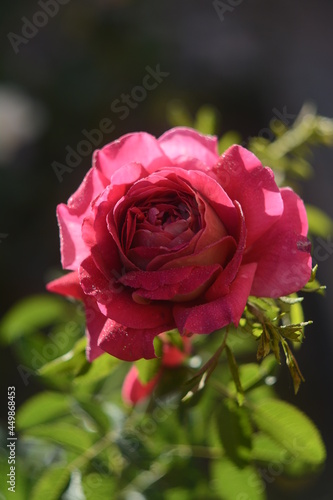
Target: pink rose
{"type": "Point", "coordinates": [165, 233]}
{"type": "Point", "coordinates": [134, 391]}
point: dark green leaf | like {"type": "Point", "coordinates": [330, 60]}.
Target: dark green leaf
{"type": "Point", "coordinates": [234, 430]}
{"type": "Point", "coordinates": [264, 346]}
{"type": "Point", "coordinates": [178, 114]}
{"type": "Point", "coordinates": [233, 367]}
{"type": "Point", "coordinates": [294, 369]}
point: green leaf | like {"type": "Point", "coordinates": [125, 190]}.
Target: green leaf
{"type": "Point", "coordinates": [147, 369]}
{"type": "Point", "coordinates": [177, 494]}
{"type": "Point", "coordinates": [101, 368]}
{"type": "Point", "coordinates": [264, 345]}
{"type": "Point", "coordinates": [294, 369]}
{"type": "Point", "coordinates": [320, 223]}
{"type": "Point", "coordinates": [62, 370]}
{"type": "Point", "coordinates": [52, 484]}
{"type": "Point", "coordinates": [95, 412]}
{"type": "Point", "coordinates": [233, 367]}
{"type": "Point", "coordinates": [290, 428]}
{"type": "Point", "coordinates": [236, 483]}
{"type": "Point", "coordinates": [98, 486]}
{"type": "Point", "coordinates": [251, 373]}
{"type": "Point", "coordinates": [42, 408]}
{"type": "Point", "coordinates": [235, 430]}
{"type": "Point", "coordinates": [206, 120]}
{"type": "Point", "coordinates": [30, 315]}
{"type": "Point", "coordinates": [178, 114]}
{"type": "Point", "coordinates": [229, 139]}
{"type": "Point", "coordinates": [265, 449]}
{"type": "Point", "coordinates": [66, 435]}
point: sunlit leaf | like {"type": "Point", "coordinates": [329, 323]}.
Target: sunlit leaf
{"type": "Point", "coordinates": [148, 369]}
{"type": "Point", "coordinates": [98, 486]}
{"type": "Point", "coordinates": [289, 427]}
{"type": "Point", "coordinates": [232, 482]}
{"type": "Point", "coordinates": [206, 120]}
{"type": "Point", "coordinates": [265, 449]}
{"type": "Point", "coordinates": [252, 373]}
{"type": "Point", "coordinates": [52, 484]}
{"type": "Point", "coordinates": [229, 139]}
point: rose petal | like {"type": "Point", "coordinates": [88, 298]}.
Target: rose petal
{"type": "Point", "coordinates": [69, 286]}
{"type": "Point", "coordinates": [222, 284]}
{"type": "Point", "coordinates": [117, 303]}
{"type": "Point", "coordinates": [245, 179]}
{"type": "Point", "coordinates": [128, 344]}
{"type": "Point", "coordinates": [70, 218]}
{"type": "Point", "coordinates": [212, 316]}
{"type": "Point", "coordinates": [180, 284]}
{"type": "Point", "coordinates": [133, 390]}
{"type": "Point", "coordinates": [138, 147]}
{"type": "Point", "coordinates": [283, 253]}
{"type": "Point", "coordinates": [181, 142]}
{"type": "Point", "coordinates": [95, 322]}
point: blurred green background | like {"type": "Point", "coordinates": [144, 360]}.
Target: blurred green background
{"type": "Point", "coordinates": [262, 59]}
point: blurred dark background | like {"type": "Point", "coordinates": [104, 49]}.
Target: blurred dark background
{"type": "Point", "coordinates": [63, 78]}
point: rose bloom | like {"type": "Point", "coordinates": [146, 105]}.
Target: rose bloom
{"type": "Point", "coordinates": [165, 233]}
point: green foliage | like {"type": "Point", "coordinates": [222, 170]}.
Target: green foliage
{"type": "Point", "coordinates": [30, 315]}
{"type": "Point", "coordinates": [41, 409]}
{"type": "Point", "coordinates": [52, 484]}
{"type": "Point", "coordinates": [291, 429]}
{"type": "Point", "coordinates": [320, 224]}
{"type": "Point", "coordinates": [233, 482]}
